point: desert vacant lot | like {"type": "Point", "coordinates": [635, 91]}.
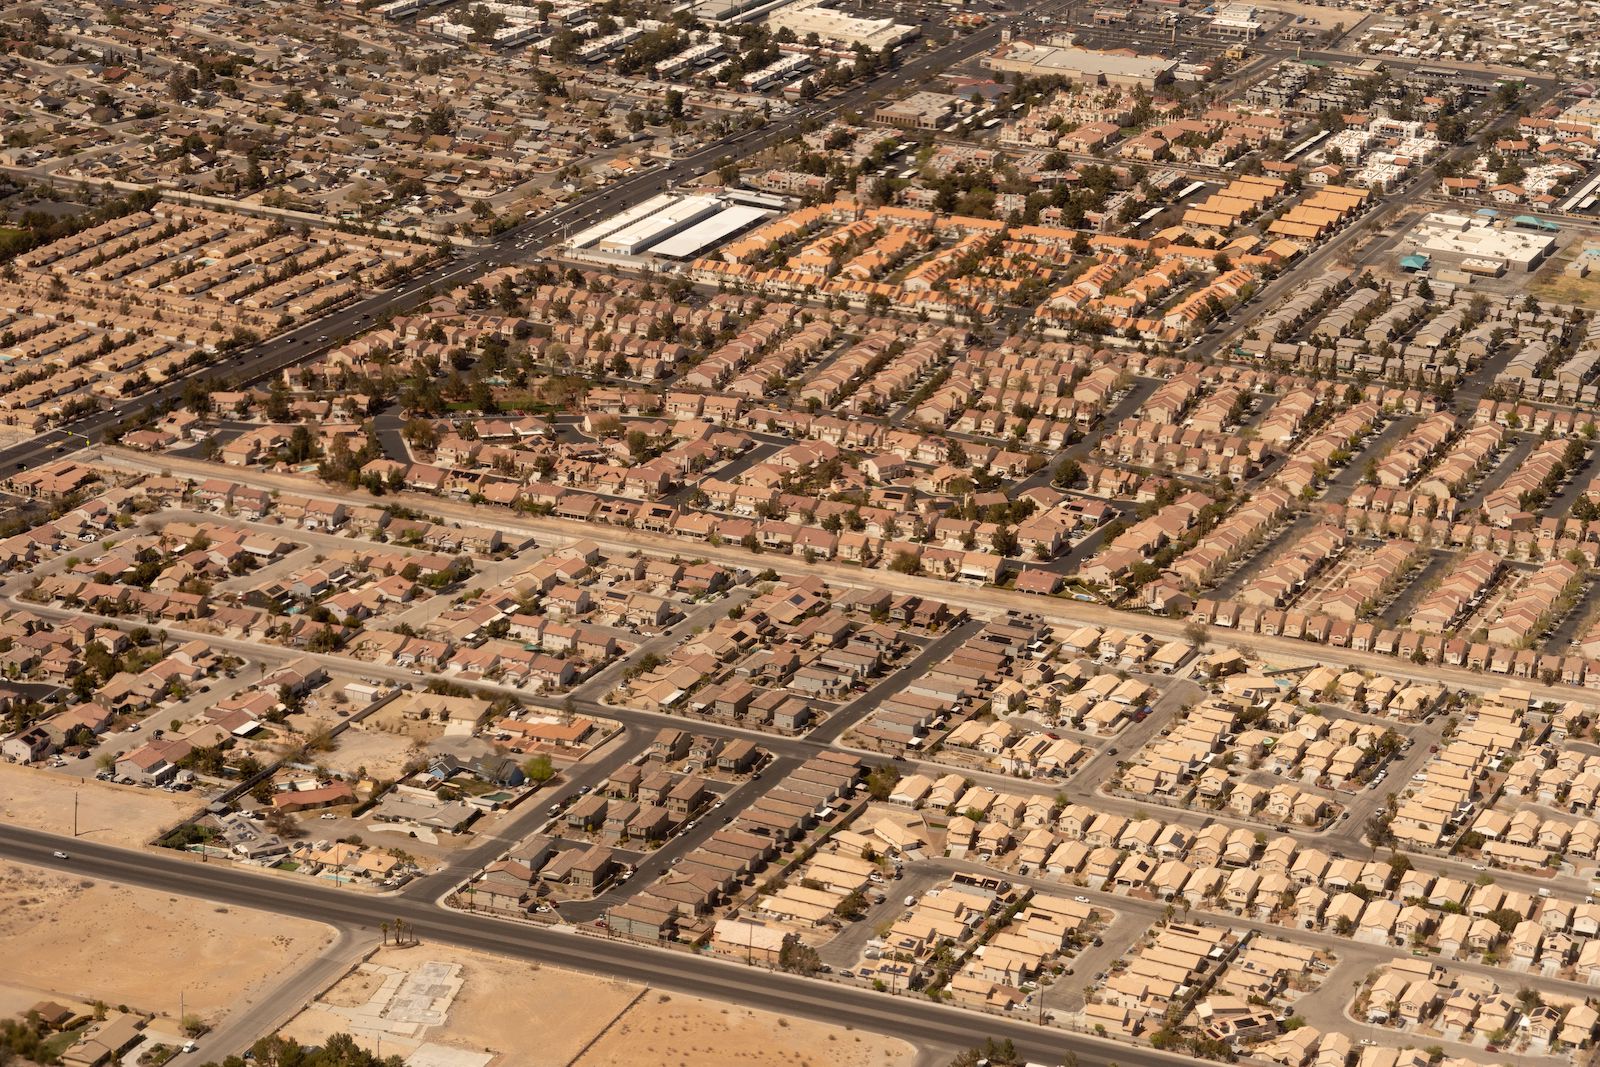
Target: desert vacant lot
{"type": "Point", "coordinates": [109, 814]}
{"type": "Point", "coordinates": [82, 939]}
{"type": "Point", "coordinates": [565, 1010]}
{"type": "Point", "coordinates": [1551, 282]}
{"type": "Point", "coordinates": [691, 1032]}
{"type": "Point", "coordinates": [568, 1019]}
{"type": "Point", "coordinates": [1321, 17]}
{"type": "Point", "coordinates": [382, 754]}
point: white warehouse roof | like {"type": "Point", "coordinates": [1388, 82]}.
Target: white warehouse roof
{"type": "Point", "coordinates": [709, 231]}
{"type": "Point", "coordinates": [606, 227]}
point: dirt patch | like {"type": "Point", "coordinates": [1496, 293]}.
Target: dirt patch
{"type": "Point", "coordinates": [1320, 17]}
{"type": "Point", "coordinates": [83, 939]}
{"type": "Point", "coordinates": [353, 989]}
{"type": "Point", "coordinates": [391, 719]}
{"type": "Point", "coordinates": [382, 754]}
{"type": "Point", "coordinates": [1553, 283]}
{"type": "Point", "coordinates": [561, 1014]}
{"type": "Point", "coordinates": [687, 1030]}
{"type": "Point", "coordinates": [109, 814]}
{"type": "Point", "coordinates": [565, 1009]}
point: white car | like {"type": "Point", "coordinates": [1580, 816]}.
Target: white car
{"type": "Point", "coordinates": [1081, 900]}
{"type": "Point", "coordinates": [58, 854]}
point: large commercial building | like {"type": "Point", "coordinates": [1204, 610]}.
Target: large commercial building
{"type": "Point", "coordinates": [1237, 21]}
{"type": "Point", "coordinates": [919, 111]}
{"type": "Point", "coordinates": [1081, 66]}
{"type": "Point", "coordinates": [674, 218]}
{"type": "Point", "coordinates": [838, 28]}
{"type": "Point", "coordinates": [709, 231]}
{"type": "Point", "coordinates": [1477, 245]}
{"type": "Point", "coordinates": [606, 227]}
{"type": "Point", "coordinates": [673, 226]}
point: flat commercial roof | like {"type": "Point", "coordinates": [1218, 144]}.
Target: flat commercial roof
{"type": "Point", "coordinates": [606, 227]}
{"type": "Point", "coordinates": [679, 213]}
{"type": "Point", "coordinates": [1084, 62]}
{"type": "Point", "coordinates": [709, 231]}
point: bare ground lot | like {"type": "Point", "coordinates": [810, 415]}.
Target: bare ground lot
{"type": "Point", "coordinates": [690, 1031]}
{"type": "Point", "coordinates": [382, 754]}
{"type": "Point", "coordinates": [391, 719]}
{"type": "Point", "coordinates": [568, 1010]}
{"type": "Point", "coordinates": [1551, 282]}
{"type": "Point", "coordinates": [81, 940]}
{"type": "Point", "coordinates": [568, 1019]}
{"type": "Point", "coordinates": [42, 799]}
{"type": "Point", "coordinates": [1321, 17]}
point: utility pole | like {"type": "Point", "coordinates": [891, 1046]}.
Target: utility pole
{"type": "Point", "coordinates": [74, 812]}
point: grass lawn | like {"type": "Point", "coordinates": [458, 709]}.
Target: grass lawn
{"type": "Point", "coordinates": [59, 1043]}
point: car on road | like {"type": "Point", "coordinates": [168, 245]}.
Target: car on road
{"type": "Point", "coordinates": [58, 854]}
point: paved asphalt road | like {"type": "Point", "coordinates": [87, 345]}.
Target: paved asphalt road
{"type": "Point", "coordinates": [911, 1018]}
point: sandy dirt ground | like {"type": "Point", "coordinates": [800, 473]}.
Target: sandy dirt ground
{"type": "Point", "coordinates": [109, 814]}
{"type": "Point", "coordinates": [690, 1032]}
{"type": "Point", "coordinates": [382, 754]}
{"type": "Point", "coordinates": [1322, 17]}
{"type": "Point", "coordinates": [390, 719]}
{"type": "Point", "coordinates": [477, 1020]}
{"type": "Point", "coordinates": [1551, 282]}
{"type": "Point", "coordinates": [81, 940]}
{"type": "Point", "coordinates": [570, 1019]}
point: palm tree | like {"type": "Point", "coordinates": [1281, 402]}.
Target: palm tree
{"type": "Point", "coordinates": [385, 927]}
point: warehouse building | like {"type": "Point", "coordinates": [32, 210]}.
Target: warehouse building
{"type": "Point", "coordinates": [1080, 66]}
{"type": "Point", "coordinates": [838, 28]}
{"type": "Point", "coordinates": [606, 227]}
{"type": "Point", "coordinates": [674, 218]}
{"type": "Point", "coordinates": [1478, 246]}
{"type": "Point", "coordinates": [707, 232]}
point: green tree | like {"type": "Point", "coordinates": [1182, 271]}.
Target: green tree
{"type": "Point", "coordinates": [538, 769]}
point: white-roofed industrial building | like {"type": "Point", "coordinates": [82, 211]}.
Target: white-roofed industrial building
{"type": "Point", "coordinates": [707, 232]}
{"type": "Point", "coordinates": [1080, 65]}
{"type": "Point", "coordinates": [606, 227]}
{"type": "Point", "coordinates": [1478, 245]}
{"type": "Point", "coordinates": [659, 225]}
{"type": "Point", "coordinates": [840, 28]}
